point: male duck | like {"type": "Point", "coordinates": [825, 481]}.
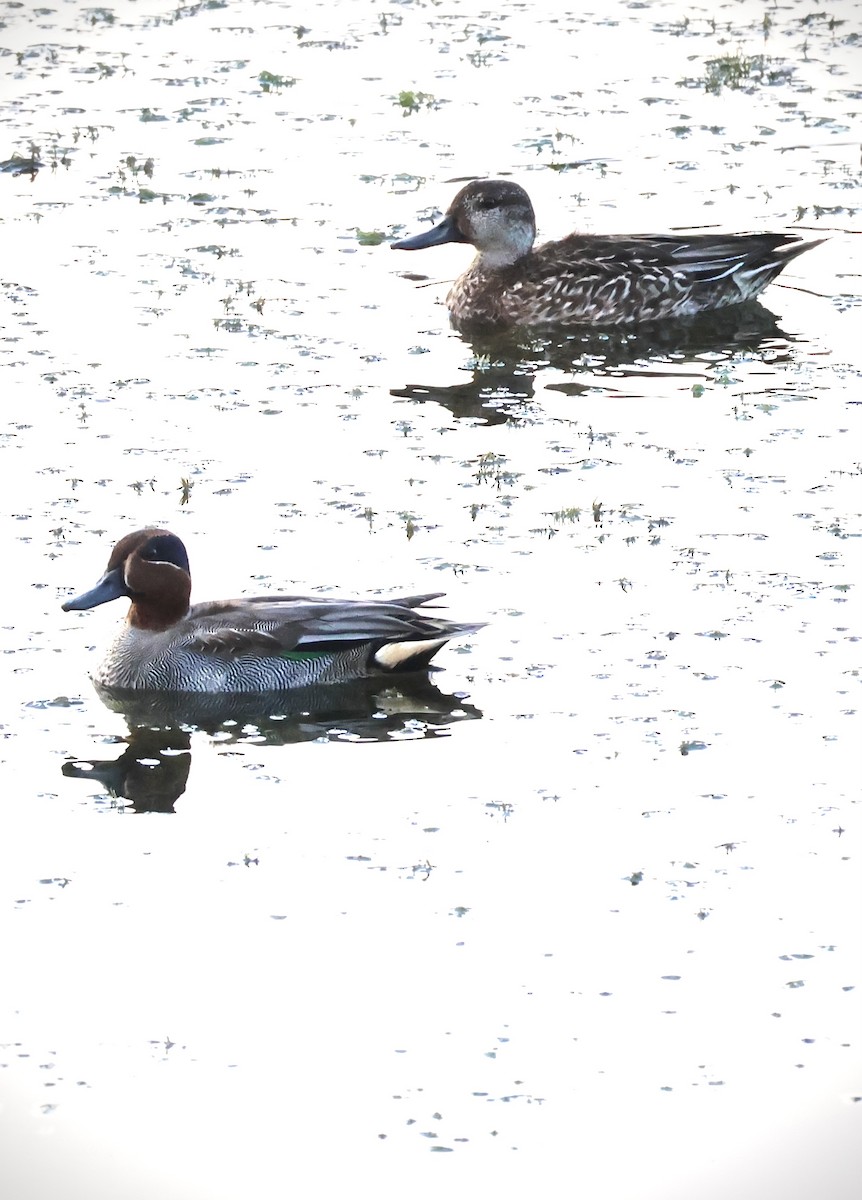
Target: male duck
{"type": "Point", "coordinates": [252, 644]}
{"type": "Point", "coordinates": [591, 279]}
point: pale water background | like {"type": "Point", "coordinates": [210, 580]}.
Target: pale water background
{"type": "Point", "coordinates": [585, 921]}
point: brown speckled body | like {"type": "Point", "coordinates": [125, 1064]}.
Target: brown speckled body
{"type": "Point", "coordinates": [592, 280]}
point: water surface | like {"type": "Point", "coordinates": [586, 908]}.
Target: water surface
{"type": "Point", "coordinates": [581, 915]}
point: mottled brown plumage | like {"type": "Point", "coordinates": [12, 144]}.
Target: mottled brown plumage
{"type": "Point", "coordinates": [592, 279]}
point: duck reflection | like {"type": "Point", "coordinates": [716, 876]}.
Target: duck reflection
{"type": "Point", "coordinates": [152, 771]}
{"type": "Point", "coordinates": [504, 367]}
{"type": "Point", "coordinates": [149, 776]}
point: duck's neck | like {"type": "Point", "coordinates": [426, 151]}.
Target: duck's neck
{"type": "Point", "coordinates": [156, 616]}
{"type": "Point", "coordinates": [518, 243]}
{"type": "Point", "coordinates": [494, 260]}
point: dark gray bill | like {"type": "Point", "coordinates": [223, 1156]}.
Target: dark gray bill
{"type": "Point", "coordinates": [111, 586]}
{"type": "Point", "coordinates": [445, 231]}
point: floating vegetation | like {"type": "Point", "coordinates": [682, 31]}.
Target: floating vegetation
{"type": "Point", "coordinates": [411, 102]}
{"type": "Point", "coordinates": [369, 237]}
{"type": "Point", "coordinates": [735, 71]}
{"type": "Point", "coordinates": [832, 23]}
{"type": "Point", "coordinates": [271, 83]}
{"type": "Point", "coordinates": [400, 183]}
{"type": "Point", "coordinates": [687, 747]}
{"type": "Point", "coordinates": [327, 44]}
{"type": "Point", "coordinates": [566, 515]}
{"type": "Point", "coordinates": [91, 132]}
{"type": "Point", "coordinates": [490, 469]}
{"type": "Point", "coordinates": [574, 166]}
{"type": "Point", "coordinates": [99, 16]}
{"type": "Point", "coordinates": [136, 167]}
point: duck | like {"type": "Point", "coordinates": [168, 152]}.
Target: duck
{"type": "Point", "coordinates": [253, 644]}
{"type": "Point", "coordinates": [591, 279]}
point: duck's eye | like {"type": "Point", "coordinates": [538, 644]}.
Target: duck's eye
{"type": "Point", "coordinates": [156, 550]}
{"type": "Point", "coordinates": [167, 549]}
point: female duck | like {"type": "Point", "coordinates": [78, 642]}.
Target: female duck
{"type": "Point", "coordinates": [591, 279]}
{"type": "Point", "coordinates": [255, 643]}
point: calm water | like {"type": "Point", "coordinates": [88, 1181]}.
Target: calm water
{"type": "Point", "coordinates": [581, 915]}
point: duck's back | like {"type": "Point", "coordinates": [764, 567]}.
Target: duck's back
{"type": "Point", "coordinates": [621, 280]}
